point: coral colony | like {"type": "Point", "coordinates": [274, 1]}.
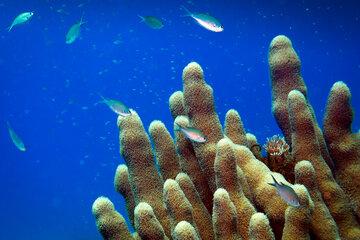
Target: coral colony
{"type": "Point", "coordinates": [219, 189]}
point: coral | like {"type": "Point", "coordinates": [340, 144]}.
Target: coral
{"type": "Point", "coordinates": [285, 75]}
{"type": "Point", "coordinates": [164, 149]}
{"type": "Point", "coordinates": [225, 218]}
{"type": "Point", "coordinates": [146, 223]}
{"type": "Point", "coordinates": [234, 128]}
{"type": "Point", "coordinates": [343, 145]}
{"type": "Point", "coordinates": [219, 189]}
{"type": "Point", "coordinates": [190, 165]}
{"type": "Point", "coordinates": [276, 146]}
{"type": "Point", "coordinates": [278, 157]}
{"type": "Point", "coordinates": [306, 146]}
{"type": "Point", "coordinates": [227, 178]}
{"type": "Point", "coordinates": [185, 231]}
{"type": "Point", "coordinates": [110, 223]}
{"type": "Point", "coordinates": [322, 223]}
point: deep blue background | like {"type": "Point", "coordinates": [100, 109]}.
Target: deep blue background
{"type": "Point", "coordinates": [48, 89]}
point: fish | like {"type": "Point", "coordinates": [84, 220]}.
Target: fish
{"type": "Point", "coordinates": [151, 21]}
{"type": "Point", "coordinates": [15, 138]}
{"type": "Point", "coordinates": [20, 19]}
{"type": "Point", "coordinates": [74, 32]}
{"type": "Point", "coordinates": [286, 192]}
{"type": "Point", "coordinates": [191, 133]}
{"type": "Point", "coordinates": [205, 20]}
{"type": "Point", "coordinates": [116, 106]}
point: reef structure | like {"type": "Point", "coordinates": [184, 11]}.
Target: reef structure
{"type": "Point", "coordinates": [219, 189]}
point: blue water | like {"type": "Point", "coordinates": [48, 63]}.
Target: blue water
{"type": "Point", "coordinates": [49, 90]}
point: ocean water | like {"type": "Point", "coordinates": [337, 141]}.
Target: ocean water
{"type": "Point", "coordinates": [49, 90]}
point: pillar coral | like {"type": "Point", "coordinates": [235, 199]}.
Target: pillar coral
{"type": "Point", "coordinates": [343, 145]}
{"type": "Point", "coordinates": [219, 189]}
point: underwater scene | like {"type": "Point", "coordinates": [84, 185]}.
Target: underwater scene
{"type": "Point", "coordinates": [179, 120]}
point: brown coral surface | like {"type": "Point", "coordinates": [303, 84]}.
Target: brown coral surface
{"type": "Point", "coordinates": [219, 189]}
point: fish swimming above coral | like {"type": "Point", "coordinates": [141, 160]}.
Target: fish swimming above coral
{"type": "Point", "coordinates": [205, 20]}
{"type": "Point", "coordinates": [20, 19]}
{"type": "Point", "coordinates": [152, 22]}
{"type": "Point", "coordinates": [191, 133]}
{"type": "Point", "coordinates": [15, 138]}
{"type": "Point", "coordinates": [286, 193]}
{"type": "Point", "coordinates": [74, 32]}
{"type": "Point", "coordinates": [116, 106]}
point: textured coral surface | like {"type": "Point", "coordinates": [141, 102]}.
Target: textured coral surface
{"type": "Point", "coordinates": [179, 189]}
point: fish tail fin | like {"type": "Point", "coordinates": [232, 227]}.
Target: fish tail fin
{"type": "Point", "coordinates": [8, 124]}
{"type": "Point", "coordinates": [103, 99]}
{"type": "Point", "coordinates": [9, 28]}
{"type": "Point", "coordinates": [188, 13]}
{"type": "Point", "coordinates": [142, 18]}
{"type": "Point", "coordinates": [82, 19]}
{"type": "Point", "coordinates": [275, 183]}
{"type": "Point", "coordinates": [176, 127]}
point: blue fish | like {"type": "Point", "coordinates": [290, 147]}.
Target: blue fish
{"type": "Point", "coordinates": [116, 106]}
{"type": "Point", "coordinates": [15, 138]}
{"type": "Point", "coordinates": [152, 21]}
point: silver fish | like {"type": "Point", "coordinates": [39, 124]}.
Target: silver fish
{"type": "Point", "coordinates": [191, 133]}
{"type": "Point", "coordinates": [116, 106]}
{"type": "Point", "coordinates": [20, 19]}
{"type": "Point", "coordinates": [74, 32]}
{"type": "Point", "coordinates": [286, 192]}
{"type": "Point", "coordinates": [15, 138]}
{"type": "Point", "coordinates": [205, 20]}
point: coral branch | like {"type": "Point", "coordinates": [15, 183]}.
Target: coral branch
{"type": "Point", "coordinates": [224, 217]}
{"type": "Point", "coordinates": [214, 189]}
{"type": "Point", "coordinates": [343, 145]}
{"type": "Point", "coordinates": [306, 146]}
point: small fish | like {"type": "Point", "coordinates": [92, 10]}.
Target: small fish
{"type": "Point", "coordinates": [62, 11]}
{"type": "Point", "coordinates": [74, 32]}
{"type": "Point", "coordinates": [20, 19]}
{"type": "Point", "coordinates": [286, 193]}
{"type": "Point", "coordinates": [15, 138]}
{"type": "Point", "coordinates": [191, 133]}
{"type": "Point", "coordinates": [116, 106]}
{"type": "Point", "coordinates": [205, 20]}
{"type": "Point", "coordinates": [151, 21]}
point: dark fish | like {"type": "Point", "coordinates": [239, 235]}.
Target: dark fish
{"type": "Point", "coordinates": [286, 192]}
{"type": "Point", "coordinates": [74, 32]}
{"type": "Point", "coordinates": [152, 21]}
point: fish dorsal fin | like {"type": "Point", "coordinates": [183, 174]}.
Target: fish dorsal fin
{"type": "Point", "coordinates": [179, 126]}
{"type": "Point", "coordinates": [275, 182]}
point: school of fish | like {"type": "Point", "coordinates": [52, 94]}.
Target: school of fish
{"type": "Point", "coordinates": [193, 134]}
